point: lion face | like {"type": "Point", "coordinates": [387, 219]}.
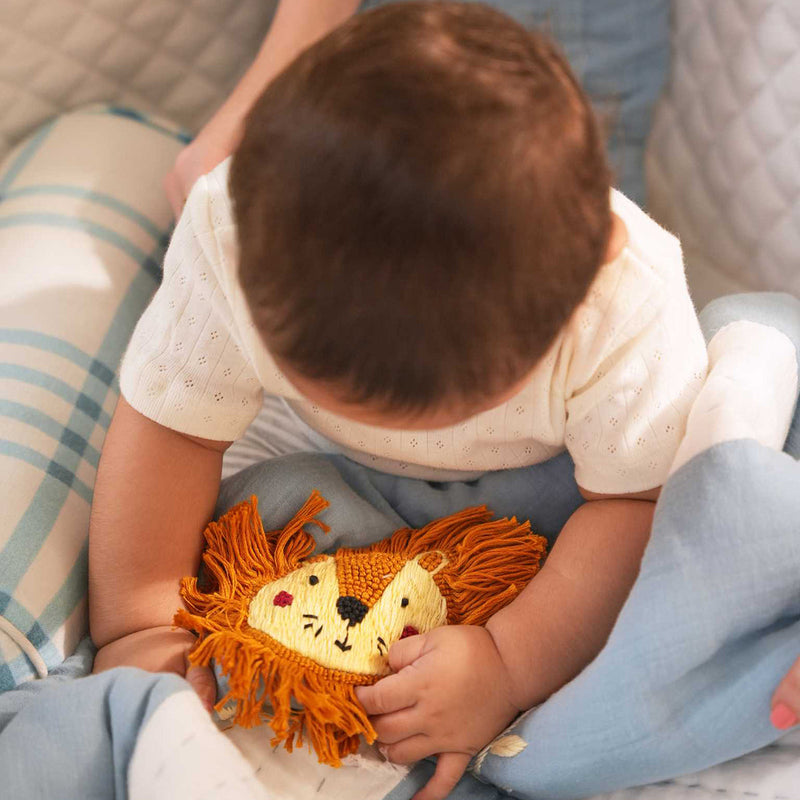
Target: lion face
{"type": "Point", "coordinates": [323, 611]}
{"type": "Point", "coordinates": [302, 632]}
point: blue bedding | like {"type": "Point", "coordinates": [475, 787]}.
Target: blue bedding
{"type": "Point", "coordinates": [684, 682]}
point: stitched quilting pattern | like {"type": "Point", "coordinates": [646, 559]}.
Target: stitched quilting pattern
{"type": "Point", "coordinates": [724, 161]}
{"type": "Point", "coordinates": [178, 58]}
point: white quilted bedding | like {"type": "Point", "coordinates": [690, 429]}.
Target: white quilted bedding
{"type": "Point", "coordinates": [178, 58]}
{"type": "Point", "coordinates": [724, 160]}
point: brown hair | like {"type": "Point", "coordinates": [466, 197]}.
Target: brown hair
{"type": "Point", "coordinates": [422, 200]}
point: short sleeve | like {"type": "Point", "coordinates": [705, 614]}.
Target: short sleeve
{"type": "Point", "coordinates": [627, 412]}
{"type": "Point", "coordinates": [185, 366]}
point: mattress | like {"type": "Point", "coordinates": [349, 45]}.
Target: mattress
{"type": "Point", "coordinates": [724, 153]}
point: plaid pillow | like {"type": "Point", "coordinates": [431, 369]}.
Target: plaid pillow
{"type": "Point", "coordinates": [83, 226]}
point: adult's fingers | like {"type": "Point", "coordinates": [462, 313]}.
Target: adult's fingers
{"type": "Point", "coordinates": [173, 188]}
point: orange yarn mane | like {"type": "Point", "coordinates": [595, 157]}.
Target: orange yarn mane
{"type": "Point", "coordinates": [477, 564]}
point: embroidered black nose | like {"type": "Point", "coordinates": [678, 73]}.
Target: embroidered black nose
{"type": "Point", "coordinates": [351, 609]}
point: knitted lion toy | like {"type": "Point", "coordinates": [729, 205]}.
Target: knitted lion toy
{"type": "Point", "coordinates": [286, 625]}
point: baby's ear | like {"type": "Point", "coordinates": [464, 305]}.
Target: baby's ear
{"type": "Point", "coordinates": [432, 561]}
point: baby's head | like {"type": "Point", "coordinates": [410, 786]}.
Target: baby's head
{"type": "Point", "coordinates": [422, 200]}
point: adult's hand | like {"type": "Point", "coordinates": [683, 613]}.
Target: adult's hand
{"type": "Point", "coordinates": [297, 25]}
{"type": "Point", "coordinates": [196, 159]}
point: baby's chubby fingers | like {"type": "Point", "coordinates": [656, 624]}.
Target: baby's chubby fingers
{"type": "Point", "coordinates": [393, 728]}
{"type": "Point", "coordinates": [202, 680]}
{"type": "Point", "coordinates": [786, 700]}
{"type": "Point", "coordinates": [392, 693]}
{"type": "Point", "coordinates": [397, 691]}
{"type": "Point", "coordinates": [449, 769]}
{"type": "Point", "coordinates": [410, 750]}
{"type": "Point", "coordinates": [406, 651]}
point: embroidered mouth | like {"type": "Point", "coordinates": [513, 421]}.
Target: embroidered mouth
{"type": "Point", "coordinates": [343, 646]}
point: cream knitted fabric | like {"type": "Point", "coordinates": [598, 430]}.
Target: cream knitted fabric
{"type": "Point", "coordinates": [615, 387]}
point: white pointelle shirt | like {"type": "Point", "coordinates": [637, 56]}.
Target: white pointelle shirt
{"type": "Point", "coordinates": [615, 387]}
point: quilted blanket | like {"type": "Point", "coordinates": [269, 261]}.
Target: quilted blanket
{"type": "Point", "coordinates": [723, 168]}
{"type": "Point", "coordinates": [177, 58]}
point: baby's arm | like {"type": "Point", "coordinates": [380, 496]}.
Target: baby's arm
{"type": "Point", "coordinates": [560, 622]}
{"type": "Point", "coordinates": [529, 649]}
{"type": "Point", "coordinates": [155, 491]}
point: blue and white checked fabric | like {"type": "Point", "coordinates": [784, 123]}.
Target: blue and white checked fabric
{"type": "Point", "coordinates": [83, 226]}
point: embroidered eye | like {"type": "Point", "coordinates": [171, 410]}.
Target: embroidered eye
{"type": "Point", "coordinates": [404, 602]}
{"type": "Point", "coordinates": [313, 580]}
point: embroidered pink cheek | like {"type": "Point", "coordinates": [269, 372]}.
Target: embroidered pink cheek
{"type": "Point", "coordinates": [282, 599]}
{"type": "Point", "coordinates": [409, 630]}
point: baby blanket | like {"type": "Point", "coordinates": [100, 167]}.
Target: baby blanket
{"type": "Point", "coordinates": [684, 682]}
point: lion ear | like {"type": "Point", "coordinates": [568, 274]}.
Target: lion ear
{"type": "Point", "coordinates": [239, 550]}
{"type": "Point", "coordinates": [293, 543]}
{"type": "Point", "coordinates": [432, 561]}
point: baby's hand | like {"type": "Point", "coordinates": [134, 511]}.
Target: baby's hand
{"type": "Point", "coordinates": [450, 694]}
{"type": "Point", "coordinates": [786, 700]}
{"type": "Point", "coordinates": [162, 649]}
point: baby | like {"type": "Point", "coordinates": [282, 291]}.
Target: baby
{"type": "Point", "coordinates": [417, 248]}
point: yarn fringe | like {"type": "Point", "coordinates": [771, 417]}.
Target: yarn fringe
{"type": "Point", "coordinates": [478, 564]}
{"type": "Point", "coordinates": [489, 562]}
{"type": "Point", "coordinates": [330, 717]}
